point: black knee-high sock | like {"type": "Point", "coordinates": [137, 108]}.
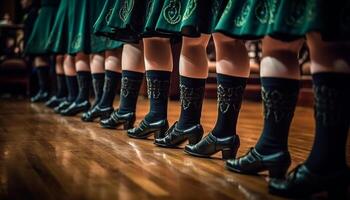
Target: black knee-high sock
{"type": "Point", "coordinates": [84, 83]}
{"type": "Point", "coordinates": [131, 83]}
{"type": "Point", "coordinates": [279, 97]}
{"type": "Point", "coordinates": [230, 95]}
{"type": "Point", "coordinates": [332, 115]}
{"type": "Point", "coordinates": [61, 86]}
{"type": "Point", "coordinates": [191, 96]}
{"type": "Point", "coordinates": [43, 78]}
{"type": "Point", "coordinates": [112, 79]}
{"type": "Point", "coordinates": [98, 80]}
{"type": "Point", "coordinates": [158, 83]}
{"type": "Point", "coordinates": [72, 86]}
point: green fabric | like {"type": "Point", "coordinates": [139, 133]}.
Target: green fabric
{"type": "Point", "coordinates": [190, 17]}
{"type": "Point", "coordinates": [58, 39]}
{"type": "Point", "coordinates": [130, 20]}
{"type": "Point", "coordinates": [36, 44]}
{"type": "Point", "coordinates": [100, 26]}
{"type": "Point", "coordinates": [284, 19]}
{"type": "Point", "coordinates": [82, 17]}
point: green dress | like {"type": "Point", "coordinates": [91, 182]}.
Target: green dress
{"type": "Point", "coordinates": [36, 44]}
{"type": "Point", "coordinates": [58, 40]}
{"type": "Point", "coordinates": [82, 15]}
{"type": "Point", "coordinates": [130, 20]}
{"type": "Point", "coordinates": [285, 19]}
{"type": "Point", "coordinates": [190, 17]}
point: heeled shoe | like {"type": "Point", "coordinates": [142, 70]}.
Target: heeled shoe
{"type": "Point", "coordinates": [145, 129]}
{"type": "Point", "coordinates": [54, 101]}
{"type": "Point", "coordinates": [41, 96]}
{"type": "Point", "coordinates": [97, 112]}
{"type": "Point", "coordinates": [76, 108]}
{"type": "Point", "coordinates": [116, 119]}
{"type": "Point", "coordinates": [210, 145]}
{"type": "Point", "coordinates": [174, 136]}
{"type": "Point", "coordinates": [62, 106]}
{"type": "Point", "coordinates": [252, 163]}
{"type": "Point", "coordinates": [301, 182]}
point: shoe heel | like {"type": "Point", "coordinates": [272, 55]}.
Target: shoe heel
{"type": "Point", "coordinates": [194, 139]}
{"type": "Point", "coordinates": [160, 133]}
{"type": "Point", "coordinates": [228, 153]}
{"type": "Point", "coordinates": [278, 172]}
{"type": "Point", "coordinates": [128, 125]}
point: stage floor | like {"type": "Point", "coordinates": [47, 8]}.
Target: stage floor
{"type": "Point", "coordinates": [46, 156]}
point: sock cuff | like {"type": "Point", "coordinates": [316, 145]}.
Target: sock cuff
{"type": "Point", "coordinates": [192, 82]}
{"type": "Point", "coordinates": [98, 76]}
{"type": "Point", "coordinates": [132, 74]}
{"type": "Point", "coordinates": [162, 75]}
{"type": "Point", "coordinates": [282, 83]}
{"type": "Point", "coordinates": [332, 79]}
{"type": "Point", "coordinates": [110, 73]}
{"type": "Point", "coordinates": [229, 81]}
{"type": "Point", "coordinates": [84, 73]}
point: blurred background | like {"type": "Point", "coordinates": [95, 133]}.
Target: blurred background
{"type": "Point", "coordinates": [18, 79]}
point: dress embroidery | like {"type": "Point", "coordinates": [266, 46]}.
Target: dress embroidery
{"type": "Point", "coordinates": [242, 18]}
{"type": "Point", "coordinates": [76, 43]}
{"type": "Point", "coordinates": [172, 12]}
{"type": "Point", "coordinates": [191, 6]}
{"type": "Point", "coordinates": [265, 11]}
{"type": "Point", "coordinates": [302, 12]}
{"type": "Point", "coordinates": [108, 16]}
{"type": "Point", "coordinates": [126, 9]}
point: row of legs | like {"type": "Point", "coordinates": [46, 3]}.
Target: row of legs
{"type": "Point", "coordinates": [325, 167]}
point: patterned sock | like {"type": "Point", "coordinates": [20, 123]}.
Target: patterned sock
{"type": "Point", "coordinates": [112, 80]}
{"type": "Point", "coordinates": [191, 96]}
{"type": "Point", "coordinates": [131, 83]}
{"type": "Point", "coordinates": [332, 108]}
{"type": "Point", "coordinates": [230, 95]}
{"type": "Point", "coordinates": [279, 97]}
{"type": "Point", "coordinates": [158, 83]}
{"type": "Point", "coordinates": [84, 83]}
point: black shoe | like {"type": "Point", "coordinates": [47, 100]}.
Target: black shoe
{"type": "Point", "coordinates": [76, 108]}
{"type": "Point", "coordinates": [54, 101]}
{"type": "Point", "coordinates": [41, 96]}
{"type": "Point", "coordinates": [115, 120]}
{"type": "Point", "coordinates": [210, 145]}
{"type": "Point", "coordinates": [174, 137]}
{"type": "Point", "coordinates": [64, 105]}
{"type": "Point", "coordinates": [145, 129]}
{"type": "Point", "coordinates": [301, 182]}
{"type": "Point", "coordinates": [252, 163]}
{"type": "Point", "coordinates": [97, 112]}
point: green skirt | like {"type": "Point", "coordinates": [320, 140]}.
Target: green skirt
{"type": "Point", "coordinates": [284, 19]}
{"type": "Point", "coordinates": [36, 44]}
{"type": "Point", "coordinates": [82, 15]}
{"type": "Point", "coordinates": [58, 40]}
{"type": "Point", "coordinates": [190, 17]}
{"type": "Point", "coordinates": [130, 20]}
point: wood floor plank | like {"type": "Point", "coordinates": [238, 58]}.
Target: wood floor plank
{"type": "Point", "coordinates": [47, 156]}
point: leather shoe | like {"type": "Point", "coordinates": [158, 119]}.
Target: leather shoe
{"type": "Point", "coordinates": [62, 106]}
{"type": "Point", "coordinates": [97, 112]}
{"type": "Point", "coordinates": [210, 145]}
{"type": "Point", "coordinates": [252, 163]}
{"type": "Point", "coordinates": [116, 119]}
{"type": "Point", "coordinates": [54, 101]}
{"type": "Point", "coordinates": [301, 182]}
{"type": "Point", "coordinates": [41, 96]}
{"type": "Point", "coordinates": [76, 108]}
{"type": "Point", "coordinates": [145, 129]}
{"type": "Point", "coordinates": [175, 137]}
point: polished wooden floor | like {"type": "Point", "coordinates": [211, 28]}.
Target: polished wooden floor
{"type": "Point", "coordinates": [46, 156]}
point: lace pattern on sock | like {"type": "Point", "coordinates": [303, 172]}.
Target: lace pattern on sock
{"type": "Point", "coordinates": [191, 97]}
{"type": "Point", "coordinates": [229, 98]}
{"type": "Point", "coordinates": [130, 87]}
{"type": "Point", "coordinates": [157, 88]}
